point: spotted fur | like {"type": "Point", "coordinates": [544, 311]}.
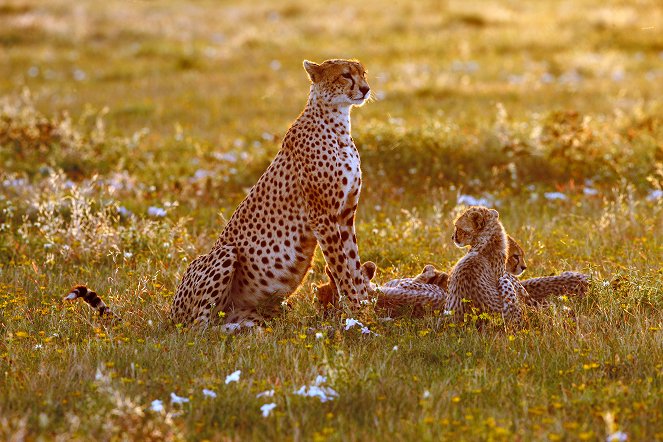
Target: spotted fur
{"type": "Point", "coordinates": [564, 284]}
{"type": "Point", "coordinates": [307, 196]}
{"type": "Point", "coordinates": [428, 291]}
{"type": "Point", "coordinates": [416, 295]}
{"type": "Point", "coordinates": [477, 283]}
{"type": "Point", "coordinates": [90, 297]}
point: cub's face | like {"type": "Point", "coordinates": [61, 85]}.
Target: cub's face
{"type": "Point", "coordinates": [470, 225]}
{"type": "Point", "coordinates": [327, 294]}
{"type": "Point", "coordinates": [431, 275]}
{"type": "Point", "coordinates": [340, 82]}
{"type": "Point", "coordinates": [515, 263]}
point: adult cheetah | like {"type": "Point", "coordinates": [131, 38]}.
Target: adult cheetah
{"type": "Point", "coordinates": [307, 196]}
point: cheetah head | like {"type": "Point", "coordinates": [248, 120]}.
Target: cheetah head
{"type": "Point", "coordinates": [515, 262]}
{"type": "Point", "coordinates": [472, 224]}
{"type": "Point", "coordinates": [328, 293]}
{"type": "Point", "coordinates": [431, 275]}
{"type": "Point", "coordinates": [339, 82]}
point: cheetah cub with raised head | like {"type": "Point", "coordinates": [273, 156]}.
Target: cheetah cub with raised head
{"type": "Point", "coordinates": [477, 282]}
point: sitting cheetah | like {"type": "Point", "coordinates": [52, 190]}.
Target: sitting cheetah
{"type": "Point", "coordinates": [478, 278]}
{"type": "Point", "coordinates": [307, 196]}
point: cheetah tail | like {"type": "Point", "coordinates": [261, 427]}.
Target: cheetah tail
{"type": "Point", "coordinates": [91, 297]}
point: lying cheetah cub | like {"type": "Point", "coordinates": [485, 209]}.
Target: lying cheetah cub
{"type": "Point", "coordinates": [477, 282]}
{"type": "Point", "coordinates": [428, 290]}
{"type": "Point", "coordinates": [406, 293]}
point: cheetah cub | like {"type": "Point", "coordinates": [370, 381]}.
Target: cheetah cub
{"type": "Point", "coordinates": [477, 281]}
{"type": "Point", "coordinates": [410, 294]}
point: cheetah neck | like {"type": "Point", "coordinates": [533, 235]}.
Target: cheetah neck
{"type": "Point", "coordinates": [493, 244]}
{"type": "Point", "coordinates": [335, 115]}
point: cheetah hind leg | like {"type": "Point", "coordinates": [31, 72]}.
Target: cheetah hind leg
{"type": "Point", "coordinates": [215, 287]}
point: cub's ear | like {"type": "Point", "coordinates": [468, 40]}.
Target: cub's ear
{"type": "Point", "coordinates": [478, 220]}
{"type": "Point", "coordinates": [313, 70]}
{"type": "Point", "coordinates": [369, 268]}
{"type": "Point", "coordinates": [494, 213]}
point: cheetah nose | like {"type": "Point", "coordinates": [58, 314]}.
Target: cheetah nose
{"type": "Point", "coordinates": [364, 90]}
{"type": "Point", "coordinates": [524, 268]}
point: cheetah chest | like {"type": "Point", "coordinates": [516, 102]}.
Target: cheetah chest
{"type": "Point", "coordinates": [350, 183]}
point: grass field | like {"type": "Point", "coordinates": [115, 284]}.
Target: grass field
{"type": "Point", "coordinates": [129, 132]}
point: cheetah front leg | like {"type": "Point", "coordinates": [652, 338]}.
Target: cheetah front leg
{"type": "Point", "coordinates": [346, 227]}
{"type": "Point", "coordinates": [328, 235]}
{"type": "Point", "coordinates": [508, 293]}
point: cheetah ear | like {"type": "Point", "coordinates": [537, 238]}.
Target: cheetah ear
{"type": "Point", "coordinates": [313, 70]}
{"type": "Point", "coordinates": [369, 268]}
{"type": "Point", "coordinates": [494, 214]}
{"type": "Point", "coordinates": [478, 220]}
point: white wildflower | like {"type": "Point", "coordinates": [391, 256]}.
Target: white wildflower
{"type": "Point", "coordinates": [267, 409]}
{"type": "Point", "coordinates": [156, 211]}
{"type": "Point", "coordinates": [123, 211]}
{"type": "Point", "coordinates": [231, 327]}
{"type": "Point", "coordinates": [590, 191]}
{"type": "Point", "coordinates": [395, 348]}
{"type": "Point", "coordinates": [655, 195]}
{"type": "Point", "coordinates": [38, 346]}
{"type": "Point", "coordinates": [367, 331]}
{"type": "Point", "coordinates": [324, 394]}
{"type": "Point", "coordinates": [175, 399]}
{"type": "Point", "coordinates": [157, 406]}
{"type": "Point", "coordinates": [275, 65]}
{"type": "Point", "coordinates": [426, 394]}
{"type": "Point", "coordinates": [201, 174]}
{"type": "Point", "coordinates": [128, 255]}
{"type": "Point", "coordinates": [351, 322]}
{"type": "Point", "coordinates": [317, 390]}
{"type": "Point", "coordinates": [209, 393]}
{"type": "Point", "coordinates": [319, 335]}
{"type": "Point", "coordinates": [618, 436]}
{"type": "Point", "coordinates": [266, 393]}
{"type": "Point", "coordinates": [229, 157]}
{"type": "Point", "coordinates": [79, 75]}
{"type": "Point", "coordinates": [469, 200]}
{"type": "Point", "coordinates": [233, 377]}
{"type": "Point", "coordinates": [555, 196]}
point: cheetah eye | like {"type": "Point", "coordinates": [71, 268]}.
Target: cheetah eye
{"type": "Point", "coordinates": [347, 75]}
{"type": "Point", "coordinates": [517, 258]}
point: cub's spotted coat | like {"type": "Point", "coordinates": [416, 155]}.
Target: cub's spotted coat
{"type": "Point", "coordinates": [428, 290]}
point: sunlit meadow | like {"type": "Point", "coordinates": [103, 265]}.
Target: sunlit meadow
{"type": "Point", "coordinates": [129, 132]}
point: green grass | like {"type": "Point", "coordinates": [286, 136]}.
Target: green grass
{"type": "Point", "coordinates": [181, 106]}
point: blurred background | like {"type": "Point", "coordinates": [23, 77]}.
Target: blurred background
{"type": "Point", "coordinates": [130, 131]}
{"type": "Point", "coordinates": [180, 106]}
